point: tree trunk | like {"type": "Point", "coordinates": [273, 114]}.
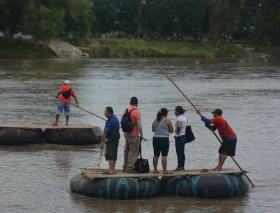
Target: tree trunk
{"type": "Point", "coordinates": [218, 42]}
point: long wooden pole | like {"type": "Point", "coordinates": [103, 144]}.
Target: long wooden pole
{"type": "Point", "coordinates": [165, 73]}
{"type": "Point", "coordinates": [44, 91]}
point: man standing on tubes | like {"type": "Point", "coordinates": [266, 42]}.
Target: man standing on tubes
{"type": "Point", "coordinates": [65, 93]}
{"type": "Point", "coordinates": [132, 140]}
{"type": "Point", "coordinates": [227, 134]}
{"type": "Point", "coordinates": [110, 137]}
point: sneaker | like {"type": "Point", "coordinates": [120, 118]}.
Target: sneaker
{"type": "Point", "coordinates": [178, 170]}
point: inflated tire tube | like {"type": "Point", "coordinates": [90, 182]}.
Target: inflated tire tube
{"type": "Point", "coordinates": [116, 188]}
{"type": "Point", "coordinates": [206, 186]}
{"type": "Point", "coordinates": [20, 136]}
{"type": "Point", "coordinates": [73, 136]}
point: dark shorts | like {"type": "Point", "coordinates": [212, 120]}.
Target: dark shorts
{"type": "Point", "coordinates": [111, 150]}
{"type": "Point", "coordinates": [161, 145]}
{"type": "Point", "coordinates": [228, 148]}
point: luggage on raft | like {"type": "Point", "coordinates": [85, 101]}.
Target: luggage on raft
{"type": "Point", "coordinates": [73, 136]}
{"type": "Point", "coordinates": [20, 136]}
{"type": "Point", "coordinates": [116, 188]}
{"type": "Point", "coordinates": [206, 186]}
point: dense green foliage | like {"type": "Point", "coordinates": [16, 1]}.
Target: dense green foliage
{"type": "Point", "coordinates": [176, 20]}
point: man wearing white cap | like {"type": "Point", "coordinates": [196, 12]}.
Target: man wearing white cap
{"type": "Point", "coordinates": [65, 94]}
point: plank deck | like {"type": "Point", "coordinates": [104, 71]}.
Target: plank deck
{"type": "Point", "coordinates": [47, 126]}
{"type": "Point", "coordinates": [98, 173]}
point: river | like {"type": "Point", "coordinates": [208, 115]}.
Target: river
{"type": "Point", "coordinates": [35, 178]}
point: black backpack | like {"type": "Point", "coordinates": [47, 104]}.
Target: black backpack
{"type": "Point", "coordinates": [126, 123]}
{"type": "Point", "coordinates": [67, 93]}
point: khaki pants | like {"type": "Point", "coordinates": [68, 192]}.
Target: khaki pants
{"type": "Point", "coordinates": [131, 150]}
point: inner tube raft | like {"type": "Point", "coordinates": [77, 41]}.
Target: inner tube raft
{"type": "Point", "coordinates": [116, 188]}
{"type": "Point", "coordinates": [206, 186]}
{"type": "Point", "coordinates": [20, 136]}
{"type": "Point", "coordinates": [73, 136]}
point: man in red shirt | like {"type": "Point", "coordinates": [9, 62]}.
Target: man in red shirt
{"type": "Point", "coordinates": [132, 139]}
{"type": "Point", "coordinates": [65, 92]}
{"type": "Point", "coordinates": [227, 134]}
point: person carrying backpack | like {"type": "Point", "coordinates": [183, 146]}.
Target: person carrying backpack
{"type": "Point", "coordinates": [65, 93]}
{"type": "Point", "coordinates": [132, 127]}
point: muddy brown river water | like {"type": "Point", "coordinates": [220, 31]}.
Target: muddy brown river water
{"type": "Point", "coordinates": [35, 178]}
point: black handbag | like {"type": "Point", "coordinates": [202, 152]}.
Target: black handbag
{"type": "Point", "coordinates": [189, 134]}
{"type": "Point", "coordinates": [142, 165]}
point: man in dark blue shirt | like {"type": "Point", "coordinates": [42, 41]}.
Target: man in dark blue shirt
{"type": "Point", "coordinates": [110, 137]}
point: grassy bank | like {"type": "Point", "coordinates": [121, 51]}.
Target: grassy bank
{"type": "Point", "coordinates": [118, 48]}
{"type": "Point", "coordinates": [125, 48]}
{"type": "Point", "coordinates": [17, 49]}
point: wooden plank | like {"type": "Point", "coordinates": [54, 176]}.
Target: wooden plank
{"type": "Point", "coordinates": [47, 126]}
{"type": "Point", "coordinates": [98, 173]}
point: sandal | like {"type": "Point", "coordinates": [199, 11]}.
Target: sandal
{"type": "Point", "coordinates": [156, 172]}
{"type": "Point", "coordinates": [167, 173]}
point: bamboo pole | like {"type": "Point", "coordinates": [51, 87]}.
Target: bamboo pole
{"type": "Point", "coordinates": [165, 73]}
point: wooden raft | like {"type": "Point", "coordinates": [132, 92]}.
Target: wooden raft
{"type": "Point", "coordinates": [47, 126]}
{"type": "Point", "coordinates": [98, 173]}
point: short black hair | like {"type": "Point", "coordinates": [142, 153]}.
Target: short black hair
{"type": "Point", "coordinates": [133, 101]}
{"type": "Point", "coordinates": [110, 110]}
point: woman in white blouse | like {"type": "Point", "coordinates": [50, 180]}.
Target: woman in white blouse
{"type": "Point", "coordinates": [180, 137]}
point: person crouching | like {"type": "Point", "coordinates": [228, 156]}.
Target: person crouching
{"type": "Point", "coordinates": [110, 137]}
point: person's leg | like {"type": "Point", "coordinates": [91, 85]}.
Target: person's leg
{"type": "Point", "coordinates": [126, 151]}
{"type": "Point", "coordinates": [111, 166]}
{"type": "Point", "coordinates": [177, 146]}
{"type": "Point", "coordinates": [155, 163]}
{"type": "Point", "coordinates": [133, 144]}
{"type": "Point", "coordinates": [58, 112]}
{"type": "Point", "coordinates": [182, 152]}
{"type": "Point", "coordinates": [67, 112]}
{"type": "Point", "coordinates": [164, 163]}
{"type": "Point", "coordinates": [156, 154]}
{"type": "Point", "coordinates": [164, 153]}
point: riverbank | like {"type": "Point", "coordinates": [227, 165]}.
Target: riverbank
{"type": "Point", "coordinates": [124, 48]}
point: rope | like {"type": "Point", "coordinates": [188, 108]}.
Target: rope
{"type": "Point", "coordinates": [99, 160]}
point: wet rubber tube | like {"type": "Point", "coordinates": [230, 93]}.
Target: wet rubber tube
{"type": "Point", "coordinates": [20, 136]}
{"type": "Point", "coordinates": [206, 186]}
{"type": "Point", "coordinates": [73, 136]}
{"type": "Point", "coordinates": [116, 188]}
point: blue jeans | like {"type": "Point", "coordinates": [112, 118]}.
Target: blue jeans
{"type": "Point", "coordinates": [180, 150]}
{"type": "Point", "coordinates": [63, 106]}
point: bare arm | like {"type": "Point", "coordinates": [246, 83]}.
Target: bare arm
{"type": "Point", "coordinates": [104, 135]}
{"type": "Point", "coordinates": [170, 125]}
{"type": "Point", "coordinates": [78, 105]}
{"type": "Point", "coordinates": [58, 94]}
{"type": "Point", "coordinates": [153, 125]}
{"type": "Point", "coordinates": [179, 126]}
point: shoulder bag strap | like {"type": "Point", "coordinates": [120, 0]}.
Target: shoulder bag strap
{"type": "Point", "coordinates": [158, 122]}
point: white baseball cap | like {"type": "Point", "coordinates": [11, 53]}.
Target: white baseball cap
{"type": "Point", "coordinates": [66, 82]}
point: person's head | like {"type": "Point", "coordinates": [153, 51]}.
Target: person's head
{"type": "Point", "coordinates": [217, 112]}
{"type": "Point", "coordinates": [162, 113]}
{"type": "Point", "coordinates": [134, 101]}
{"type": "Point", "coordinates": [66, 82]}
{"type": "Point", "coordinates": [108, 112]}
{"type": "Point", "coordinates": [179, 110]}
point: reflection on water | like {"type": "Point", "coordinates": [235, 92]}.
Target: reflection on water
{"type": "Point", "coordinates": [36, 177]}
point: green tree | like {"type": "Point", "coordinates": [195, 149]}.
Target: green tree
{"type": "Point", "coordinates": [80, 17]}
{"type": "Point", "coordinates": [44, 23]}
{"type": "Point", "coordinates": [224, 17]}
{"type": "Point", "coordinates": [106, 15]}
{"type": "Point", "coordinates": [268, 20]}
